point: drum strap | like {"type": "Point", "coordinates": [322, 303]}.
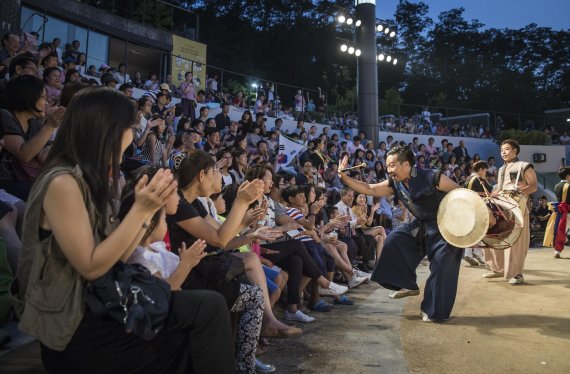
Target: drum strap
{"type": "Point", "coordinates": [502, 175]}
{"type": "Point", "coordinates": [501, 178]}
{"type": "Point", "coordinates": [470, 184]}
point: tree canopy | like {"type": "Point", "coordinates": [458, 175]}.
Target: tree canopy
{"type": "Point", "coordinates": [450, 61]}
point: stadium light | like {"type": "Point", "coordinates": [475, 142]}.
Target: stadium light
{"type": "Point", "coordinates": [389, 58]}
{"type": "Point", "coordinates": [381, 57]}
{"type": "Point", "coordinates": [379, 28]}
{"type": "Point", "coordinates": [358, 23]}
{"type": "Point", "coordinates": [567, 119]}
{"type": "Point", "coordinates": [395, 61]}
{"type": "Point", "coordinates": [341, 19]}
{"type": "Point", "coordinates": [343, 48]}
{"type": "Point", "coordinates": [358, 52]}
{"type": "Point", "coordinates": [350, 50]}
{"type": "Point", "coordinates": [386, 31]}
{"type": "Point", "coordinates": [254, 85]}
{"type": "Point", "coordinates": [349, 21]}
{"type": "Point", "coordinates": [392, 34]}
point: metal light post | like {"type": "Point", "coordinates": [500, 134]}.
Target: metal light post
{"type": "Point", "coordinates": [367, 85]}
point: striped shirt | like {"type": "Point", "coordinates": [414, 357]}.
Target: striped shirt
{"type": "Point", "coordinates": [296, 214]}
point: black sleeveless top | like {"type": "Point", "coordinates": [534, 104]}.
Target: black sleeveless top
{"type": "Point", "coordinates": [422, 198]}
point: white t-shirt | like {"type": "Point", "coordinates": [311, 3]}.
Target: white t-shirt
{"type": "Point", "coordinates": [344, 209]}
{"type": "Point", "coordinates": [120, 78]}
{"type": "Point", "coordinates": [258, 107]}
{"type": "Point", "coordinates": [156, 258]}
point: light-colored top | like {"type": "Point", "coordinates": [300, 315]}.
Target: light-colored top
{"type": "Point", "coordinates": [187, 91]}
{"type": "Point", "coordinates": [156, 258]}
{"type": "Point", "coordinates": [126, 78]}
{"type": "Point", "coordinates": [509, 176]}
{"type": "Point", "coordinates": [344, 209]}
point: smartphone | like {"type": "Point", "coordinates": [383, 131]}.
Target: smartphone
{"type": "Point", "coordinates": [293, 233]}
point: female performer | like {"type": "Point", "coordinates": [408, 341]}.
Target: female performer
{"type": "Point", "coordinates": [421, 191]}
{"type": "Point", "coordinates": [518, 180]}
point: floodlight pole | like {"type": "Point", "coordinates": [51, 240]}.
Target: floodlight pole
{"type": "Point", "coordinates": [367, 85]}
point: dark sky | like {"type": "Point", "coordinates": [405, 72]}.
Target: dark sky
{"type": "Point", "coordinates": [496, 13]}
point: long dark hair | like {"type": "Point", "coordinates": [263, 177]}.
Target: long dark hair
{"type": "Point", "coordinates": [236, 154]}
{"type": "Point", "coordinates": [24, 93]}
{"type": "Point", "coordinates": [195, 161]}
{"type": "Point", "coordinates": [128, 199]}
{"type": "Point", "coordinates": [380, 174]}
{"type": "Point", "coordinates": [91, 136]}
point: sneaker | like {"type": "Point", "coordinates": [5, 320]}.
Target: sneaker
{"type": "Point", "coordinates": [493, 274]}
{"type": "Point", "coordinates": [357, 281]}
{"type": "Point", "coordinates": [298, 316]}
{"type": "Point", "coordinates": [359, 273]}
{"type": "Point", "coordinates": [519, 279]}
{"type": "Point", "coordinates": [556, 254]}
{"type": "Point", "coordinates": [479, 259]}
{"type": "Point", "coordinates": [363, 267]}
{"type": "Point", "coordinates": [333, 290]}
{"type": "Point", "coordinates": [403, 293]}
{"type": "Point", "coordinates": [471, 261]}
{"type": "Point", "coordinates": [261, 367]}
{"type": "Point", "coordinates": [425, 317]}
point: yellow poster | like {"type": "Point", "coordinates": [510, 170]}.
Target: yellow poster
{"type": "Point", "coordinates": [188, 55]}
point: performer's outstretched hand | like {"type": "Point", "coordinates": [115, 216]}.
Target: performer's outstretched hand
{"type": "Point", "coordinates": [343, 164]}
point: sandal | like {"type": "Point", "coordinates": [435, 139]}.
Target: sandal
{"type": "Point", "coordinates": [343, 300]}
{"type": "Point", "coordinates": [289, 332]}
{"type": "Point", "coordinates": [321, 306]}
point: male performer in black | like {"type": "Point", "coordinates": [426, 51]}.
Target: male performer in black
{"type": "Point", "coordinates": [421, 191]}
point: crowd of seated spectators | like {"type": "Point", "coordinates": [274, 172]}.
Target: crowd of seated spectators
{"type": "Point", "coordinates": [422, 124]}
{"type": "Point", "coordinates": [417, 124]}
{"type": "Point", "coordinates": [301, 236]}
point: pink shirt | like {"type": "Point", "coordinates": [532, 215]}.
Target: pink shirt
{"type": "Point", "coordinates": [187, 90]}
{"type": "Point", "coordinates": [430, 149]}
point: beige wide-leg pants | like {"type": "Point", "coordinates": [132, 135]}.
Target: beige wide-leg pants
{"type": "Point", "coordinates": [510, 260]}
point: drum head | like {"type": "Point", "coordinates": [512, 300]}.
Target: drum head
{"type": "Point", "coordinates": [463, 218]}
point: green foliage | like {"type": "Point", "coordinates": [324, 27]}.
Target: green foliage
{"type": "Point", "coordinates": [391, 103]}
{"type": "Point", "coordinates": [450, 61]}
{"type": "Point", "coordinates": [343, 102]}
{"type": "Point", "coordinates": [233, 87]}
{"type": "Point", "coordinates": [154, 13]}
{"type": "Point", "coordinates": [531, 137]}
